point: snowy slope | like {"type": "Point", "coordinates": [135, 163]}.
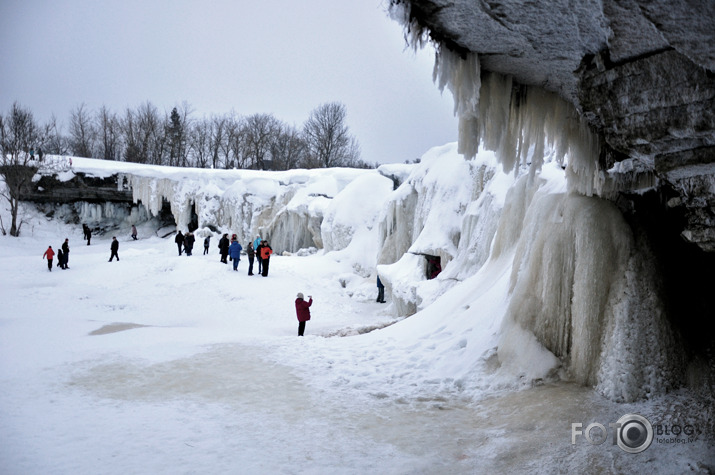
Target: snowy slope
{"type": "Point", "coordinates": [166, 364]}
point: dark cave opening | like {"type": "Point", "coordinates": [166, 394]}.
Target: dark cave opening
{"type": "Point", "coordinates": [194, 221]}
{"type": "Point", "coordinates": [687, 271]}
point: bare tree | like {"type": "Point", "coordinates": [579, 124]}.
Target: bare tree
{"type": "Point", "coordinates": [288, 148]}
{"type": "Point", "coordinates": [130, 135]}
{"type": "Point", "coordinates": [260, 130]}
{"type": "Point", "coordinates": [83, 135]}
{"type": "Point", "coordinates": [151, 135]}
{"type": "Point", "coordinates": [231, 139]}
{"type": "Point", "coordinates": [327, 137]}
{"type": "Point", "coordinates": [52, 141]}
{"type": "Point", "coordinates": [18, 136]}
{"type": "Point", "coordinates": [109, 132]}
{"type": "Point", "coordinates": [218, 136]}
{"type": "Point", "coordinates": [238, 143]}
{"type": "Point", "coordinates": [200, 143]}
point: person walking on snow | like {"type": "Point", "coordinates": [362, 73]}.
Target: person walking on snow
{"type": "Point", "coordinates": [380, 291]}
{"type": "Point", "coordinates": [302, 309]}
{"type": "Point", "coordinates": [179, 240]}
{"type": "Point", "coordinates": [207, 240]}
{"type": "Point", "coordinates": [223, 245]}
{"type": "Point", "coordinates": [60, 258]}
{"type": "Point", "coordinates": [65, 253]}
{"type": "Point", "coordinates": [50, 254]}
{"type": "Point", "coordinates": [251, 254]}
{"type": "Point", "coordinates": [265, 254]}
{"type": "Point", "coordinates": [234, 251]}
{"type": "Point", "coordinates": [134, 232]}
{"type": "Point", "coordinates": [189, 240]}
{"type": "Point", "coordinates": [87, 233]}
{"type": "Point", "coordinates": [114, 248]}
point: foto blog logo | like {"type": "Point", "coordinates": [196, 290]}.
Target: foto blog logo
{"type": "Point", "coordinates": [633, 433]}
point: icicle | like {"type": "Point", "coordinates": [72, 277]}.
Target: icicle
{"type": "Point", "coordinates": [462, 77]}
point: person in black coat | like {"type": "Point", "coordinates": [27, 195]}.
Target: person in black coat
{"type": "Point", "coordinates": [87, 233]}
{"type": "Point", "coordinates": [114, 248]}
{"type": "Point", "coordinates": [60, 258]}
{"type": "Point", "coordinates": [251, 253]}
{"type": "Point", "coordinates": [189, 240]}
{"type": "Point", "coordinates": [380, 291]}
{"type": "Point", "coordinates": [223, 248]}
{"type": "Point", "coordinates": [179, 240]}
{"type": "Point", "coordinates": [66, 253]}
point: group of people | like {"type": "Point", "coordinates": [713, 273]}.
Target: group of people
{"type": "Point", "coordinates": [185, 242]}
{"type": "Point", "coordinates": [63, 255]}
{"type": "Point", "coordinates": [259, 250]}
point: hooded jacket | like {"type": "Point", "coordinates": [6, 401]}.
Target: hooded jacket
{"type": "Point", "coordinates": [234, 250]}
{"type": "Point", "coordinates": [302, 309]}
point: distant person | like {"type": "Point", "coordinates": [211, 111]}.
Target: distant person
{"type": "Point", "coordinates": [189, 240]}
{"type": "Point", "coordinates": [49, 254]}
{"type": "Point", "coordinates": [60, 258]}
{"type": "Point", "coordinates": [87, 233]}
{"type": "Point", "coordinates": [134, 232]}
{"type": "Point", "coordinates": [66, 253]}
{"type": "Point", "coordinates": [302, 310]}
{"type": "Point", "coordinates": [256, 244]}
{"type": "Point", "coordinates": [223, 245]}
{"type": "Point", "coordinates": [39, 153]}
{"type": "Point", "coordinates": [250, 252]}
{"type": "Point", "coordinates": [234, 251]}
{"type": "Point", "coordinates": [266, 252]}
{"type": "Point", "coordinates": [114, 247]}
{"type": "Point", "coordinates": [179, 240]}
{"type": "Point", "coordinates": [380, 291]}
{"type": "Point", "coordinates": [207, 241]}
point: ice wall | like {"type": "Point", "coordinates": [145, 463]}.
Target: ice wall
{"type": "Point", "coordinates": [286, 208]}
{"type": "Point", "coordinates": [582, 290]}
{"type": "Point", "coordinates": [425, 216]}
{"type": "Point", "coordinates": [584, 287]}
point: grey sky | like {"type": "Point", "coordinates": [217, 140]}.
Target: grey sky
{"type": "Point", "coordinates": [282, 57]}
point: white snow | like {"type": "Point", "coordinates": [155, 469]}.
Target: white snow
{"type": "Point", "coordinates": [167, 364]}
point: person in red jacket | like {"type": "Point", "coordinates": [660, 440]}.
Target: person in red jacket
{"type": "Point", "coordinates": [50, 254]}
{"type": "Point", "coordinates": [265, 253]}
{"type": "Point", "coordinates": [302, 309]}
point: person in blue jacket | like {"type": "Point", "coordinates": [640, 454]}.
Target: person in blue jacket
{"type": "Point", "coordinates": [234, 251]}
{"type": "Point", "coordinates": [259, 258]}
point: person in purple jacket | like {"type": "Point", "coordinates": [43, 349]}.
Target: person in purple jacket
{"type": "Point", "coordinates": [302, 309]}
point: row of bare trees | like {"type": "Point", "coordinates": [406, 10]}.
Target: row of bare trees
{"type": "Point", "coordinates": [176, 138]}
{"type": "Point", "coordinates": [144, 135]}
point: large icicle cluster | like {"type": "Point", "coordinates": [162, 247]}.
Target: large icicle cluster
{"type": "Point", "coordinates": [284, 207]}
{"type": "Point", "coordinates": [580, 285]}
{"type": "Point", "coordinates": [580, 288]}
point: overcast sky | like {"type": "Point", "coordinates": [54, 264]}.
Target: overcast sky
{"type": "Point", "coordinates": [282, 57]}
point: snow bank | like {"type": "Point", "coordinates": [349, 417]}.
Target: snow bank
{"type": "Point", "coordinates": [537, 281]}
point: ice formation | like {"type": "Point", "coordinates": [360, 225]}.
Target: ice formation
{"type": "Point", "coordinates": [551, 272]}
{"type": "Point", "coordinates": [284, 207]}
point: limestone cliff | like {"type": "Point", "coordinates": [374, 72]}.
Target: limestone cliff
{"type": "Point", "coordinates": [639, 73]}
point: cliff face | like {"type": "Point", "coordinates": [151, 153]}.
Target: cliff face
{"type": "Point", "coordinates": [640, 73]}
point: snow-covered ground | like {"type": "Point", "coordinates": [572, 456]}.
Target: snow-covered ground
{"type": "Point", "coordinates": [161, 363]}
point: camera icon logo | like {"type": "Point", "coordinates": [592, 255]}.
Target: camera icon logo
{"type": "Point", "coordinates": [634, 433]}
